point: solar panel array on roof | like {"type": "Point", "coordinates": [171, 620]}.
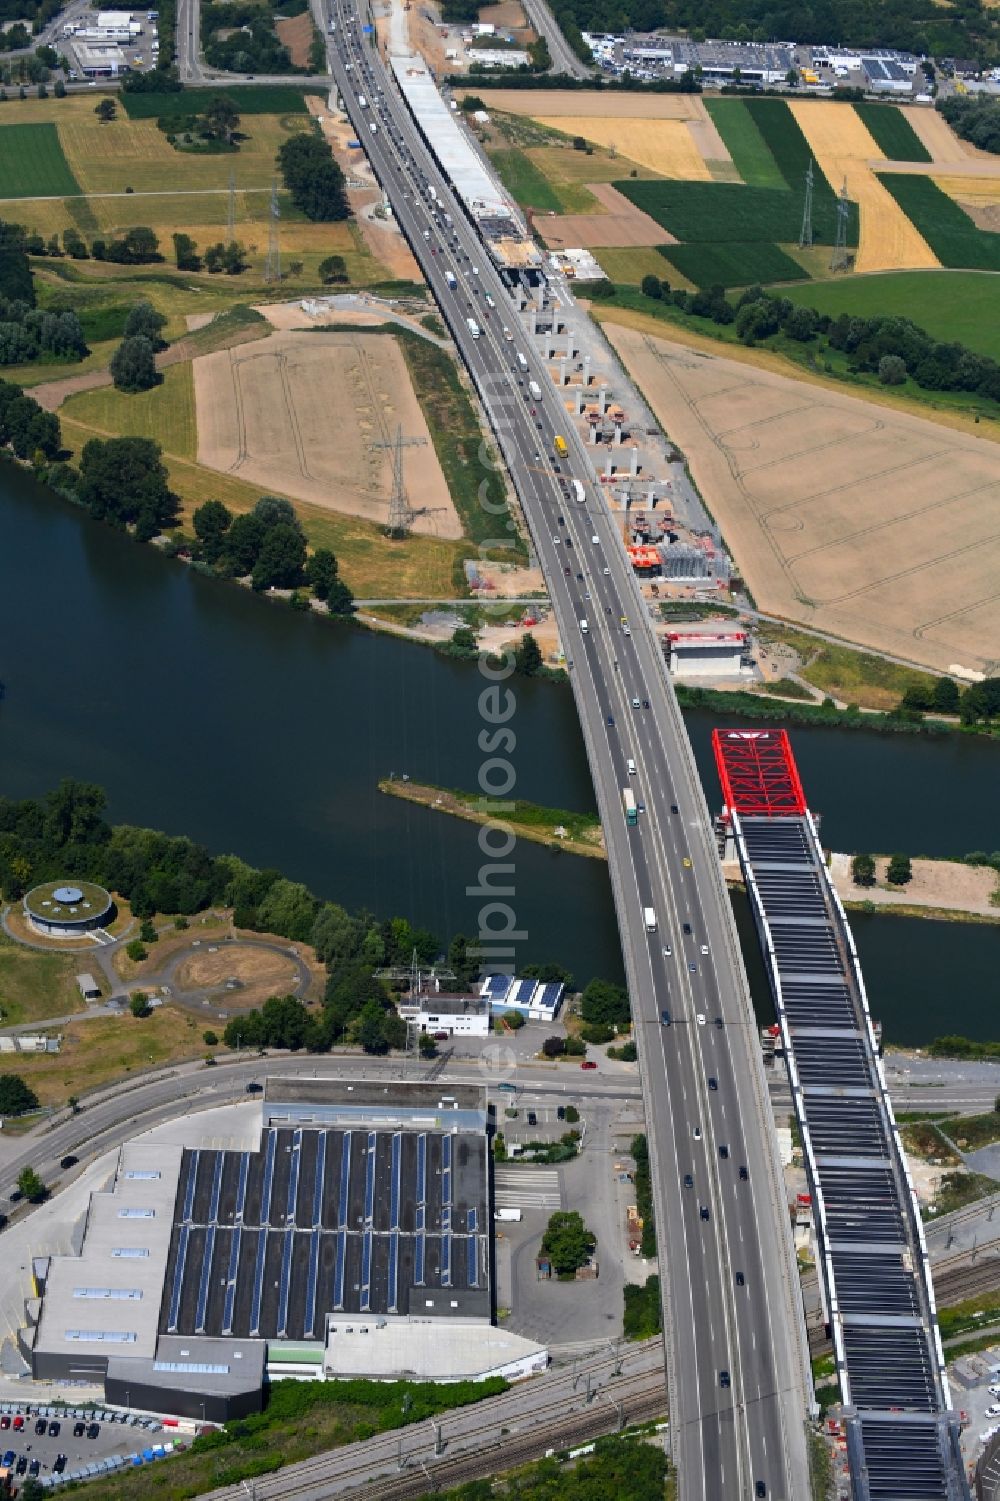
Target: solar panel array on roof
{"type": "Point", "coordinates": [329, 1219]}
{"type": "Point", "coordinates": [901, 1431]}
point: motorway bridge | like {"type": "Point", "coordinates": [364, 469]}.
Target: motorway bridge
{"type": "Point", "coordinates": [736, 1357]}
{"type": "Point", "coordinates": [902, 1435]}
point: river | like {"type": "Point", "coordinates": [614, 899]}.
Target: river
{"type": "Point", "coordinates": [262, 731]}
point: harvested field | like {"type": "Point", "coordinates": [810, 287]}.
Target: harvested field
{"type": "Point", "coordinates": [620, 224]}
{"type": "Point", "coordinates": [296, 33]}
{"type": "Point", "coordinates": [261, 973]}
{"type": "Point", "coordinates": [664, 146]}
{"type": "Point", "coordinates": [629, 264]}
{"type": "Point", "coordinates": [299, 411]}
{"type": "Point", "coordinates": [939, 138]}
{"type": "Point", "coordinates": [596, 105]}
{"type": "Point", "coordinates": [843, 149]}
{"type": "Point", "coordinates": [870, 524]}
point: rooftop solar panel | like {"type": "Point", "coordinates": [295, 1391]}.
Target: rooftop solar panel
{"type": "Point", "coordinates": [191, 1185]}
{"type": "Point", "coordinates": [421, 1186]}
{"type": "Point", "coordinates": [175, 1292]}
{"type": "Point", "coordinates": [285, 1283]}
{"type": "Point", "coordinates": [318, 1183]}
{"type": "Point", "coordinates": [293, 1178]}
{"type": "Point", "coordinates": [234, 1261]}
{"type": "Point", "coordinates": [338, 1276]}
{"type": "Point", "coordinates": [370, 1177]}
{"type": "Point", "coordinates": [265, 1196]}
{"type": "Point", "coordinates": [392, 1293]}
{"type": "Point", "coordinates": [472, 1263]}
{"type": "Point", "coordinates": [394, 1192]}
{"type": "Point", "coordinates": [312, 1280]}
{"type": "Point", "coordinates": [203, 1281]}
{"type": "Point", "coordinates": [345, 1180]}
{"type": "Point", "coordinates": [366, 1271]}
{"type": "Point", "coordinates": [213, 1208]}
{"type": "Point", "coordinates": [258, 1281]}
{"type": "Point", "coordinates": [241, 1187]}
{"type": "Point", "coordinates": [446, 1260]}
{"type": "Point", "coordinates": [419, 1253]}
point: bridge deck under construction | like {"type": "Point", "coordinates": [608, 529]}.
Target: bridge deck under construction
{"type": "Point", "coordinates": [902, 1436]}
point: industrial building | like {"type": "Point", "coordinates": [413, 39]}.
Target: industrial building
{"type": "Point", "coordinates": [705, 654]}
{"type": "Point", "coordinates": [67, 909]}
{"type": "Point", "coordinates": [714, 61]}
{"type": "Point", "coordinates": [355, 1240]}
{"type": "Point", "coordinates": [538, 1000]}
{"type": "Point", "coordinates": [459, 1015]}
{"type": "Point", "coordinates": [105, 60]}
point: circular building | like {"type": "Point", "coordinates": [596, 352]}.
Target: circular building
{"type": "Point", "coordinates": [67, 909]}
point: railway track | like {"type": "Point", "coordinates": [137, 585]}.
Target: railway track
{"type": "Point", "coordinates": [619, 1402]}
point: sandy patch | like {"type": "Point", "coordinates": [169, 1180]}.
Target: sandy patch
{"type": "Point", "coordinates": [879, 527]}
{"type": "Point", "coordinates": [936, 883]}
{"type": "Point", "coordinates": [939, 138]}
{"type": "Point", "coordinates": [261, 973]}
{"type": "Point", "coordinates": [507, 16]}
{"type": "Point", "coordinates": [570, 102]}
{"type": "Point", "coordinates": [194, 321]}
{"type": "Point", "coordinates": [296, 33]}
{"type": "Point", "coordinates": [621, 224]}
{"type": "Point", "coordinates": [298, 412]}
{"type": "Point", "coordinates": [664, 146]}
{"type": "Point", "coordinates": [52, 393]}
{"type": "Point", "coordinates": [844, 148]}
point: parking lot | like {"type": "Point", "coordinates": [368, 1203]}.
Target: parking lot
{"type": "Point", "coordinates": [58, 1444]}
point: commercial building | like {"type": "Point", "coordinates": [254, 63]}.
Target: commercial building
{"type": "Point", "coordinates": [885, 76]}
{"type": "Point", "coordinates": [705, 653]}
{"type": "Point", "coordinates": [356, 1240]}
{"type": "Point", "coordinates": [538, 1000]}
{"type": "Point", "coordinates": [715, 61]}
{"type": "Point", "coordinates": [104, 60]}
{"type": "Point", "coordinates": [67, 909]}
{"type": "Point", "coordinates": [496, 57]}
{"type": "Point", "coordinates": [459, 1015]}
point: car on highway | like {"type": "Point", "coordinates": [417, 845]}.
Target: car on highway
{"type": "Point", "coordinates": [645, 703]}
{"type": "Point", "coordinates": [724, 1381]}
{"type": "Point", "coordinates": [686, 863]}
{"type": "Point", "coordinates": [611, 719]}
{"type": "Point", "coordinates": [607, 572]}
{"type": "Point", "coordinates": [696, 1133]}
{"type": "Point", "coordinates": [665, 1018]}
{"type": "Point", "coordinates": [724, 1152]}
{"type": "Point", "coordinates": [69, 1160]}
{"type": "Point", "coordinates": [704, 1211]}
{"type": "Point", "coordinates": [693, 968]}
{"type": "Point", "coordinates": [744, 1175]}
{"type": "Point", "coordinates": [688, 1181]}
{"type": "Point", "coordinates": [687, 928]}
{"type": "Point", "coordinates": [704, 948]}
{"type": "Point", "coordinates": [740, 1280]}
{"type": "Point", "coordinates": [635, 703]}
{"type": "Point", "coordinates": [667, 951]}
{"type": "Point", "coordinates": [713, 1082]}
{"type": "Point", "coordinates": [700, 1018]}
{"type": "Point", "coordinates": [589, 1063]}
{"type": "Point", "coordinates": [760, 1490]}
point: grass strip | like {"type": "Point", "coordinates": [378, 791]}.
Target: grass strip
{"type": "Point", "coordinates": [892, 131]}
{"type": "Point", "coordinates": [32, 164]}
{"type": "Point", "coordinates": [750, 152]}
{"type": "Point", "coordinates": [733, 265]}
{"type": "Point", "coordinates": [524, 181]}
{"type": "Point", "coordinates": [257, 99]}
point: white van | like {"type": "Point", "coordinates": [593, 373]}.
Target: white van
{"type": "Point", "coordinates": [631, 766]}
{"type": "Point", "coordinates": [584, 627]}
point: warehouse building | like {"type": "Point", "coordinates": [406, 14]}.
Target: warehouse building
{"type": "Point", "coordinates": [705, 654]}
{"type": "Point", "coordinates": [357, 1233]}
{"type": "Point", "coordinates": [458, 1015]}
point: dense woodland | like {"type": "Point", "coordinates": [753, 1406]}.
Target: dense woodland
{"type": "Point", "coordinates": [975, 117]}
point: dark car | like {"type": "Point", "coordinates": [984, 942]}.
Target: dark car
{"type": "Point", "coordinates": [724, 1152]}
{"type": "Point", "coordinates": [9, 1459]}
{"type": "Point", "coordinates": [688, 1181]}
{"type": "Point", "coordinates": [693, 968]}
{"type": "Point", "coordinates": [704, 1211]}
{"type": "Point", "coordinates": [645, 703]}
{"type": "Point", "coordinates": [79, 1429]}
{"type": "Point", "coordinates": [718, 1021]}
{"type": "Point", "coordinates": [94, 1431]}
{"type": "Point", "coordinates": [40, 1426]}
{"type": "Point", "coordinates": [440, 1036]}
{"type": "Point", "coordinates": [69, 1160]}
{"type": "Point", "coordinates": [713, 1082]}
{"type": "Point", "coordinates": [673, 808]}
{"type": "Point", "coordinates": [687, 928]}
{"type": "Point", "coordinates": [22, 1464]}
{"type": "Point", "coordinates": [566, 569]}
{"type": "Point", "coordinates": [744, 1175]}
{"type": "Point", "coordinates": [740, 1279]}
{"type": "Point", "coordinates": [16, 1196]}
{"type": "Point", "coordinates": [560, 521]}
{"type": "Point", "coordinates": [569, 541]}
{"type": "Point", "coordinates": [724, 1381]}
{"type": "Point", "coordinates": [34, 1467]}
{"type": "Point", "coordinates": [560, 1112]}
{"type": "Point", "coordinates": [4, 1421]}
{"type": "Point", "coordinates": [665, 1018]}
{"type": "Point", "coordinates": [59, 1464]}
{"type": "Point", "coordinates": [532, 1118]}
{"type": "Point", "coordinates": [760, 1490]}
{"type": "Point", "coordinates": [254, 1088]}
{"type": "Point", "coordinates": [54, 1430]}
{"type": "Point", "coordinates": [611, 719]}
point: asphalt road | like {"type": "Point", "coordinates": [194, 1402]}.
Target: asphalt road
{"type": "Point", "coordinates": [564, 59]}
{"type": "Point", "coordinates": [728, 1432]}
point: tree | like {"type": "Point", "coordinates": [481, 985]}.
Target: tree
{"type": "Point", "coordinates": [31, 1490]}
{"type": "Point", "coordinates": [59, 89]}
{"type": "Point", "coordinates": [892, 370]}
{"type": "Point", "coordinates": [603, 1002]}
{"type": "Point", "coordinates": [145, 321]}
{"type": "Point", "coordinates": [75, 245]}
{"type": "Point", "coordinates": [333, 270]}
{"type": "Point", "coordinates": [554, 1047]}
{"type": "Point", "coordinates": [946, 697]}
{"type": "Point", "coordinates": [289, 908]}
{"type": "Point", "coordinates": [137, 950]}
{"type": "Point", "coordinates": [281, 559]}
{"type": "Point", "coordinates": [792, 78]}
{"type": "Point", "coordinates": [513, 1020]}
{"type": "Point", "coordinates": [427, 1045]}
{"type": "Point", "coordinates": [139, 1004]}
{"type": "Point", "coordinates": [211, 523]}
{"type": "Point", "coordinates": [31, 1186]}
{"type": "Point", "coordinates": [313, 178]}
{"type": "Point", "coordinates": [571, 1114]}
{"type": "Point", "coordinates": [321, 572]}
{"type": "Point", "coordinates": [863, 870]}
{"type": "Point", "coordinates": [210, 1039]}
{"type": "Point", "coordinates": [221, 118]}
{"type": "Point", "coordinates": [900, 870]}
{"type": "Point", "coordinates": [15, 1096]}
{"type": "Point", "coordinates": [106, 110]}
{"type": "Point", "coordinates": [243, 542]}
{"type": "Point", "coordinates": [652, 287]}
{"type": "Point", "coordinates": [124, 481]}
{"type": "Point", "coordinates": [185, 253]}
{"type": "Point", "coordinates": [528, 657]}
{"type": "Point", "coordinates": [133, 367]}
{"type": "Point", "coordinates": [567, 1242]}
{"type": "Point", "coordinates": [579, 143]}
{"type": "Point", "coordinates": [463, 642]}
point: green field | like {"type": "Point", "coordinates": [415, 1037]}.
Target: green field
{"type": "Point", "coordinates": [32, 164]}
{"type": "Point", "coordinates": [523, 179]}
{"type": "Point", "coordinates": [893, 132]}
{"type": "Point", "coordinates": [788, 146]}
{"type": "Point", "coordinates": [722, 212]}
{"type": "Point", "coordinates": [260, 99]}
{"type": "Point", "coordinates": [747, 147]}
{"type": "Point", "coordinates": [948, 230]}
{"type": "Point", "coordinates": [733, 265]}
{"type": "Point", "coordinates": [950, 305]}
{"type": "Point", "coordinates": [166, 413]}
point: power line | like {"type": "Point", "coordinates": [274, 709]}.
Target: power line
{"type": "Point", "coordinates": [806, 235]}
{"type": "Point", "coordinates": [840, 259]}
{"type": "Point", "coordinates": [401, 513]}
{"type": "Point", "coordinates": [272, 266]}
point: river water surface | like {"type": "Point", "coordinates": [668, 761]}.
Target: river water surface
{"type": "Point", "coordinates": [262, 731]}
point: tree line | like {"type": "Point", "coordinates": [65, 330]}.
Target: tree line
{"type": "Point", "coordinates": [892, 348]}
{"type": "Point", "coordinates": [30, 432]}
{"type": "Point", "coordinates": [975, 117]}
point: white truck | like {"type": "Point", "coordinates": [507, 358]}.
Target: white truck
{"type": "Point", "coordinates": [508, 1216]}
{"type": "Point", "coordinates": [473, 327]}
{"type": "Point", "coordinates": [649, 918]}
{"type": "Point", "coordinates": [584, 626]}
{"type": "Point", "coordinates": [579, 494]}
{"type": "Point", "coordinates": [362, 101]}
{"type": "Point", "coordinates": [535, 389]}
{"type": "Point", "coordinates": [449, 277]}
{"type": "Point", "coordinates": [522, 362]}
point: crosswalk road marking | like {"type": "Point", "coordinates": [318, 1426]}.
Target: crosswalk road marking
{"type": "Point", "coordinates": [526, 1187]}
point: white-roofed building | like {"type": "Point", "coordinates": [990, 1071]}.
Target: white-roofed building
{"type": "Point", "coordinates": [538, 1000]}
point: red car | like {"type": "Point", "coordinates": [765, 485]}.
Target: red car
{"type": "Point", "coordinates": [588, 1064]}
{"type": "Point", "coordinates": [19, 1422]}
